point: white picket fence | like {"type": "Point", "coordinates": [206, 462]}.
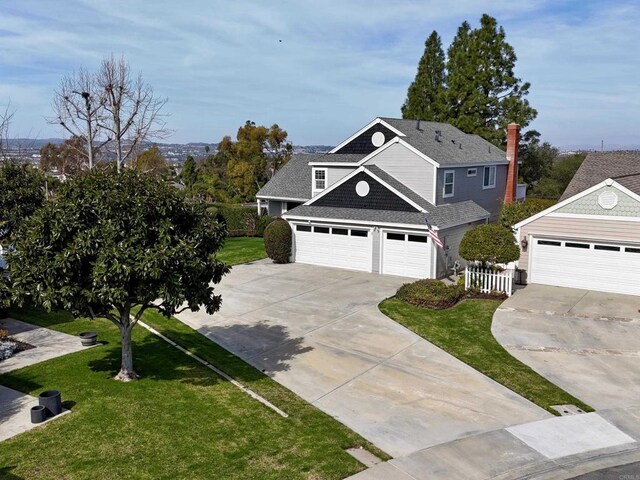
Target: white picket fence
{"type": "Point", "coordinates": [487, 280]}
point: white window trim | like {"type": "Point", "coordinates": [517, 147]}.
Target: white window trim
{"type": "Point", "coordinates": [474, 170]}
{"type": "Point", "coordinates": [444, 184]}
{"type": "Point", "coordinates": [495, 173]}
{"type": "Point", "coordinates": [313, 180]}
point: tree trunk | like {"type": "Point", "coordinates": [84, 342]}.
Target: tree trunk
{"type": "Point", "coordinates": [126, 373]}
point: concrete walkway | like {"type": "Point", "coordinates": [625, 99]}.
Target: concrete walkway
{"type": "Point", "coordinates": [15, 415]}
{"type": "Point", "coordinates": [318, 332]}
{"type": "Point", "coordinates": [555, 448]}
{"type": "Point", "coordinates": [49, 344]}
{"type": "Point", "coordinates": [587, 343]}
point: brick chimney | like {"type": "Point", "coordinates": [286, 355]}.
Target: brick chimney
{"type": "Point", "coordinates": [513, 139]}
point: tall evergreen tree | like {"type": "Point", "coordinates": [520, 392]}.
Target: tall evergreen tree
{"type": "Point", "coordinates": [425, 96]}
{"type": "Point", "coordinates": [483, 94]}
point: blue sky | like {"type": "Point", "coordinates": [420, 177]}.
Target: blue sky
{"type": "Point", "coordinates": [339, 65]}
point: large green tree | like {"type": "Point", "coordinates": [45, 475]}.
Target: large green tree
{"type": "Point", "coordinates": [113, 245]}
{"type": "Point", "coordinates": [481, 93]}
{"type": "Point", "coordinates": [537, 158]}
{"type": "Point", "coordinates": [151, 161]}
{"type": "Point", "coordinates": [425, 97]}
{"type": "Point", "coordinates": [67, 158]}
{"type": "Point", "coordinates": [22, 190]}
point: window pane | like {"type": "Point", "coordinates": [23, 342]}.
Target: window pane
{"type": "Point", "coordinates": [359, 233]}
{"type": "Point", "coordinates": [340, 231]}
{"type": "Point", "coordinates": [320, 174]}
{"type": "Point", "coordinates": [472, 172]}
{"type": "Point", "coordinates": [577, 245]}
{"type": "Point", "coordinates": [448, 177]}
{"type": "Point", "coordinates": [321, 229]}
{"type": "Point", "coordinates": [486, 176]}
{"type": "Point", "coordinates": [417, 238]}
{"type": "Point", "coordinates": [609, 248]}
{"type": "Point", "coordinates": [548, 242]}
{"type": "Point", "coordinates": [632, 250]}
{"type": "Point", "coordinates": [395, 236]}
{"type": "Point", "coordinates": [448, 189]}
{"type": "Point", "coordinates": [303, 228]}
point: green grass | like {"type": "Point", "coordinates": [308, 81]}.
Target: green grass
{"type": "Point", "coordinates": [238, 250]}
{"type": "Point", "coordinates": [179, 421]}
{"type": "Point", "coordinates": [465, 332]}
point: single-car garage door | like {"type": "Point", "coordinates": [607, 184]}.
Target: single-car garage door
{"type": "Point", "coordinates": [601, 266]}
{"type": "Point", "coordinates": [406, 254]}
{"type": "Point", "coordinates": [342, 247]}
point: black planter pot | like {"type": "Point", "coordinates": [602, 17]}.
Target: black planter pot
{"type": "Point", "coordinates": [52, 401]}
{"type": "Point", "coordinates": [88, 338]}
{"type": "Point", "coordinates": [38, 414]}
{"type": "Point", "coordinates": [4, 313]}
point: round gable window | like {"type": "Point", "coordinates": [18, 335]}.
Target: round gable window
{"type": "Point", "coordinates": [362, 188]}
{"type": "Point", "coordinates": [377, 139]}
{"type": "Point", "coordinates": [608, 200]}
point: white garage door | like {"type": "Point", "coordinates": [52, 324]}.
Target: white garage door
{"type": "Point", "coordinates": [342, 247]}
{"type": "Point", "coordinates": [406, 254]}
{"type": "Point", "coordinates": [602, 266]}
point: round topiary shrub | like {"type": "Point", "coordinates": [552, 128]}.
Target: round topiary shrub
{"type": "Point", "coordinates": [430, 293]}
{"type": "Point", "coordinates": [277, 241]}
{"type": "Point", "coordinates": [489, 244]}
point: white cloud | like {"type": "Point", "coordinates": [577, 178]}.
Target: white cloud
{"type": "Point", "coordinates": [339, 63]}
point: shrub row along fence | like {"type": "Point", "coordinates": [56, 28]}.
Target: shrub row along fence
{"type": "Point", "coordinates": [487, 280]}
{"type": "Point", "coordinates": [241, 221]}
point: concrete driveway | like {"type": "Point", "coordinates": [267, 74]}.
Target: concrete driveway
{"type": "Point", "coordinates": [585, 342]}
{"type": "Point", "coordinates": [318, 332]}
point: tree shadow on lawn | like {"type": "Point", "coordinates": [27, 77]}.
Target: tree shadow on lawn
{"type": "Point", "coordinates": [155, 359]}
{"type": "Point", "coordinates": [268, 346]}
{"type": "Point", "coordinates": [40, 317]}
{"type": "Point", "coordinates": [5, 473]}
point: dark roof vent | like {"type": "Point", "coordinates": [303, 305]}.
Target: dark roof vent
{"type": "Point", "coordinates": [418, 124]}
{"type": "Point", "coordinates": [460, 145]}
{"type": "Point", "coordinates": [438, 136]}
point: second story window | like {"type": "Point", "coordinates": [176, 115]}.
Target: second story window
{"type": "Point", "coordinates": [489, 180]}
{"type": "Point", "coordinates": [320, 179]}
{"type": "Point", "coordinates": [447, 189]}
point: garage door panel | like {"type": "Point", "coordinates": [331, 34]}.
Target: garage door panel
{"type": "Point", "coordinates": [406, 258]}
{"type": "Point", "coordinates": [333, 249]}
{"type": "Point", "coordinates": [603, 266]}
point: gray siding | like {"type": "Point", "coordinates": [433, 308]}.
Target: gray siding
{"type": "Point", "coordinates": [376, 251]}
{"type": "Point", "coordinates": [275, 208]}
{"type": "Point", "coordinates": [407, 167]}
{"type": "Point", "coordinates": [337, 173]}
{"type": "Point", "coordinates": [451, 238]}
{"type": "Point", "coordinates": [589, 204]}
{"type": "Point", "coordinates": [470, 188]}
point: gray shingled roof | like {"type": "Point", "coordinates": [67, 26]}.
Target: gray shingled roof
{"type": "Point", "coordinates": [339, 157]}
{"type": "Point", "coordinates": [454, 148]}
{"type": "Point", "coordinates": [291, 181]}
{"type": "Point", "coordinates": [598, 166]}
{"type": "Point", "coordinates": [441, 216]}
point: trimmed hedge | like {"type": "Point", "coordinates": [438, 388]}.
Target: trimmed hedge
{"type": "Point", "coordinates": [240, 220]}
{"type": "Point", "coordinates": [518, 211]}
{"type": "Point", "coordinates": [489, 243]}
{"type": "Point", "coordinates": [277, 241]}
{"type": "Point", "coordinates": [430, 293]}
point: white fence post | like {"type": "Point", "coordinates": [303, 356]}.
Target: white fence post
{"type": "Point", "coordinates": [487, 281]}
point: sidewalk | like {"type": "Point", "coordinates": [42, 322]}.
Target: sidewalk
{"type": "Point", "coordinates": [554, 448]}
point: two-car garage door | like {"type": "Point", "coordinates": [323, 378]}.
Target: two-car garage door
{"type": "Point", "coordinates": [328, 246]}
{"type": "Point", "coordinates": [601, 266]}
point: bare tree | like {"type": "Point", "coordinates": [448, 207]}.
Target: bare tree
{"type": "Point", "coordinates": [132, 113]}
{"type": "Point", "coordinates": [5, 121]}
{"type": "Point", "coordinates": [79, 106]}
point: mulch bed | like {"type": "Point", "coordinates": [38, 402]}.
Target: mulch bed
{"type": "Point", "coordinates": [20, 346]}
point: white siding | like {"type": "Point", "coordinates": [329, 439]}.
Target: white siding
{"type": "Point", "coordinates": [407, 167]}
{"type": "Point", "coordinates": [337, 173]}
{"type": "Point", "coordinates": [452, 238]}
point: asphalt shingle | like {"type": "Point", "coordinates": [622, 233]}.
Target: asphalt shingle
{"type": "Point", "coordinates": [621, 166]}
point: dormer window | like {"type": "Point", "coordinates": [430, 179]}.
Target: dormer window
{"type": "Point", "coordinates": [319, 179]}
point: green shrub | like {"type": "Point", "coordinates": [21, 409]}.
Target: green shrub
{"type": "Point", "coordinates": [263, 222]}
{"type": "Point", "coordinates": [516, 212]}
{"type": "Point", "coordinates": [277, 241]}
{"type": "Point", "coordinates": [241, 221]}
{"type": "Point", "coordinates": [489, 244]}
{"type": "Point", "coordinates": [430, 293]}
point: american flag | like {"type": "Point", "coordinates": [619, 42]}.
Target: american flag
{"type": "Point", "coordinates": [433, 234]}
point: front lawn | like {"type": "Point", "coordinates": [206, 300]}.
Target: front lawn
{"type": "Point", "coordinates": [179, 421]}
{"type": "Point", "coordinates": [238, 250]}
{"type": "Point", "coordinates": [465, 332]}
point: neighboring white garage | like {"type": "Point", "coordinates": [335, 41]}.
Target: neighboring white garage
{"type": "Point", "coordinates": [406, 254]}
{"type": "Point", "coordinates": [602, 266]}
{"type": "Point", "coordinates": [589, 241]}
{"type": "Point", "coordinates": [333, 246]}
